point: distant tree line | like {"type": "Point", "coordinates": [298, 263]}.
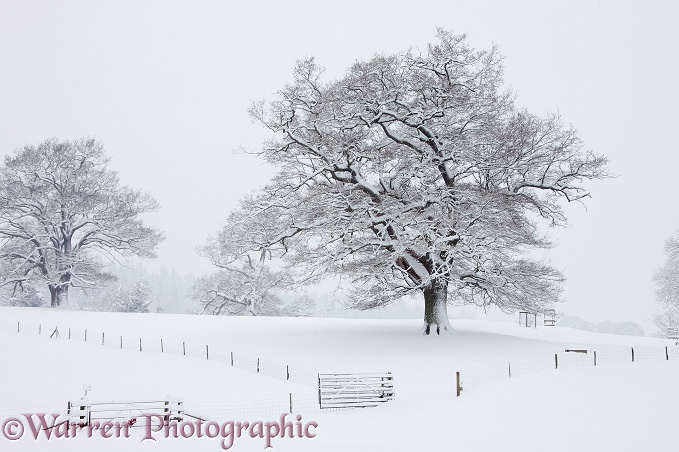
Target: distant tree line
{"type": "Point", "coordinates": [607, 327]}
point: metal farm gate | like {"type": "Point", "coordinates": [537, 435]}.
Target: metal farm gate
{"type": "Point", "coordinates": [354, 390]}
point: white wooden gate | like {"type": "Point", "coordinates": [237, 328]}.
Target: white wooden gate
{"type": "Point", "coordinates": [354, 390]}
{"type": "Point", "coordinates": [83, 412]}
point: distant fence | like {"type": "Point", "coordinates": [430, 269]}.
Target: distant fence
{"type": "Point", "coordinates": [212, 410]}
{"type": "Point", "coordinates": [256, 365]}
{"type": "Point", "coordinates": [243, 410]}
{"type": "Point", "coordinates": [570, 358]}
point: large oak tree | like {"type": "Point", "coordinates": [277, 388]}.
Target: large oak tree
{"type": "Point", "coordinates": [62, 211]}
{"type": "Point", "coordinates": [416, 172]}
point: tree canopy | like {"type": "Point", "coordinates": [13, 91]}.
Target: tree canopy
{"type": "Point", "coordinates": [416, 173]}
{"type": "Point", "coordinates": [243, 283]}
{"type": "Point", "coordinates": [62, 212]}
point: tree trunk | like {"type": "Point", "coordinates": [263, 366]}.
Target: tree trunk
{"type": "Point", "coordinates": [436, 308]}
{"type": "Point", "coordinates": [58, 295]}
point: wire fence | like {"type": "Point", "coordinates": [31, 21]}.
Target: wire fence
{"type": "Point", "coordinates": [139, 344]}
{"type": "Point", "coordinates": [207, 411]}
{"type": "Point", "coordinates": [568, 359]}
{"type": "Point", "coordinates": [217, 411]}
{"type": "Point", "coordinates": [527, 367]}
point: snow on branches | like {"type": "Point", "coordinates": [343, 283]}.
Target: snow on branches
{"type": "Point", "coordinates": [61, 210]}
{"type": "Point", "coordinates": [416, 172]}
{"type": "Point", "coordinates": [245, 282]}
{"type": "Point", "coordinates": [667, 288]}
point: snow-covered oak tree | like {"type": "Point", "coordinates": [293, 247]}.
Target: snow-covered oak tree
{"type": "Point", "coordinates": [243, 283]}
{"type": "Point", "coordinates": [238, 292]}
{"type": "Point", "coordinates": [667, 288]}
{"type": "Point", "coordinates": [415, 172]}
{"type": "Point", "coordinates": [62, 210]}
{"type": "Point", "coordinates": [249, 289]}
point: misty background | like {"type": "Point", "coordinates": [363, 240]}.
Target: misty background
{"type": "Point", "coordinates": [165, 86]}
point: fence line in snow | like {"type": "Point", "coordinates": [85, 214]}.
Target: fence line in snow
{"type": "Point", "coordinates": [256, 365]}
{"type": "Point", "coordinates": [218, 411]}
{"type": "Point", "coordinates": [570, 358]}
{"type": "Point", "coordinates": [208, 411]}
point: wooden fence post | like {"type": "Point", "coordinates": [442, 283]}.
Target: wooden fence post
{"type": "Point", "coordinates": [291, 403]}
{"type": "Point", "coordinates": [595, 357]}
{"type": "Point", "coordinates": [667, 355]}
{"type": "Point", "coordinates": [184, 347]}
{"type": "Point", "coordinates": [121, 342]}
{"type": "Point", "coordinates": [510, 370]}
{"type": "Point", "coordinates": [139, 344]}
{"type": "Point", "coordinates": [162, 350]}
{"type": "Point", "coordinates": [632, 354]}
{"type": "Point", "coordinates": [69, 332]}
{"type": "Point", "coordinates": [556, 361]}
{"type": "Point", "coordinates": [207, 352]}
{"type": "Point", "coordinates": [85, 334]}
{"type": "Point", "coordinates": [287, 374]}
{"type": "Point", "coordinates": [257, 365]}
{"type": "Point", "coordinates": [102, 338]}
{"type": "Point", "coordinates": [18, 329]}
{"type": "Point", "coordinates": [40, 329]}
{"type": "Point", "coordinates": [457, 380]}
{"type": "Point", "coordinates": [231, 359]}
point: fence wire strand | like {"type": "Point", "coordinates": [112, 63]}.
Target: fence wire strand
{"type": "Point", "coordinates": [568, 360]}
{"type": "Point", "coordinates": [209, 411]}
{"type": "Point", "coordinates": [136, 344]}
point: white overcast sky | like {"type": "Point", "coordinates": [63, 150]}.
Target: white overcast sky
{"type": "Point", "coordinates": [165, 86]}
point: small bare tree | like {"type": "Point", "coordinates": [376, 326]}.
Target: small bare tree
{"type": "Point", "coordinates": [416, 172]}
{"type": "Point", "coordinates": [61, 210]}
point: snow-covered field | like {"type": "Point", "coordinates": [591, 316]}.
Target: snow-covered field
{"type": "Point", "coordinates": [616, 406]}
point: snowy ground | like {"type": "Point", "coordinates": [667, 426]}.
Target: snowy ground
{"type": "Point", "coordinates": [617, 405]}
